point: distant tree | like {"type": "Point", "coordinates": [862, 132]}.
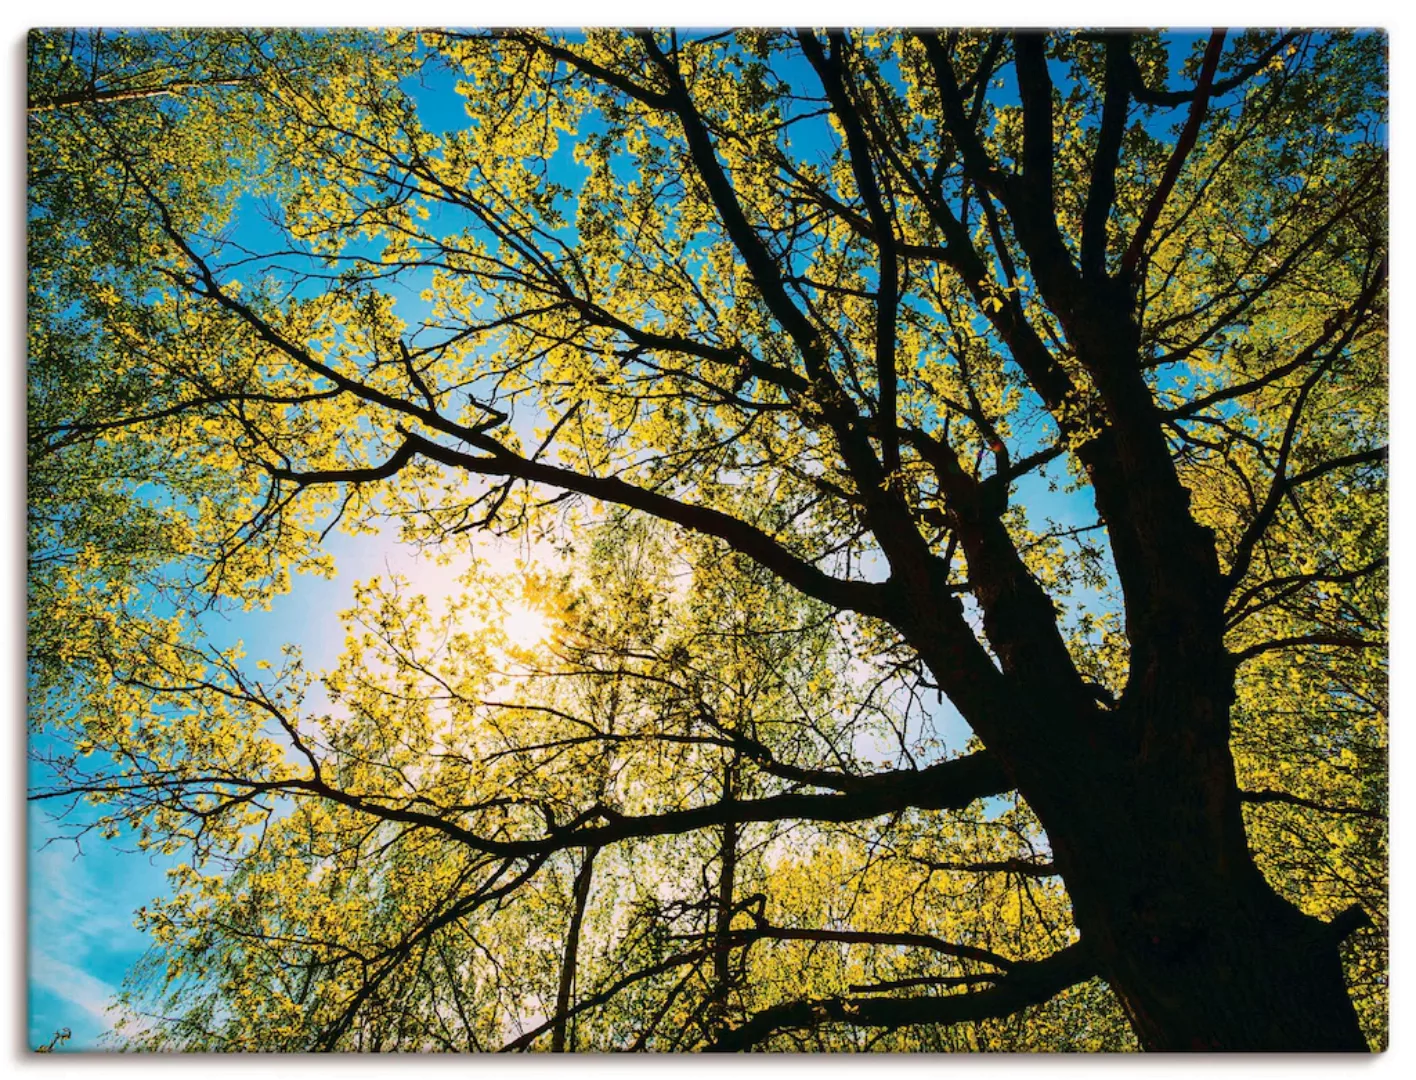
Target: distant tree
{"type": "Point", "coordinates": [61, 1036]}
{"type": "Point", "coordinates": [895, 366]}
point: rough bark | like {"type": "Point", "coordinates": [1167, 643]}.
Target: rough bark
{"type": "Point", "coordinates": [1201, 951]}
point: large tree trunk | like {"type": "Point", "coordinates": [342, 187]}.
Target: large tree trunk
{"type": "Point", "coordinates": [1141, 805]}
{"type": "Point", "coordinates": [1255, 974]}
{"type": "Point", "coordinates": [1203, 954]}
{"type": "Point", "coordinates": [1143, 808]}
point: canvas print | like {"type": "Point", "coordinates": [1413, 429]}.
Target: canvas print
{"type": "Point", "coordinates": [707, 540]}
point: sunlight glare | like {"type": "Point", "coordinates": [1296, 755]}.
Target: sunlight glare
{"type": "Point", "coordinates": [525, 627]}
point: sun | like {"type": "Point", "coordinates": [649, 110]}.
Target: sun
{"type": "Point", "coordinates": [525, 627]}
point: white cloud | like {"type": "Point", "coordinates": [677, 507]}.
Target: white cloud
{"type": "Point", "coordinates": [73, 985]}
{"type": "Point", "coordinates": [80, 931]}
{"type": "Point", "coordinates": [67, 904]}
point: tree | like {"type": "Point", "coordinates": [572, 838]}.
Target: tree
{"type": "Point", "coordinates": [838, 312]}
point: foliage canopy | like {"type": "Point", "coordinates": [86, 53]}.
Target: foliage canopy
{"type": "Point", "coordinates": [852, 373]}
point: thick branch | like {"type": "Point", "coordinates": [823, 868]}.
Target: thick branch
{"type": "Point", "coordinates": [1169, 98]}
{"type": "Point", "coordinates": [1269, 795]}
{"type": "Point", "coordinates": [1335, 641]}
{"type": "Point", "coordinates": [949, 785]}
{"type": "Point", "coordinates": [1035, 90]}
{"type": "Point", "coordinates": [863, 597]}
{"type": "Point", "coordinates": [1101, 192]}
{"type": "Point", "coordinates": [1024, 985]}
{"type": "Point", "coordinates": [1182, 150]}
{"type": "Point", "coordinates": [1343, 325]}
{"type": "Point", "coordinates": [95, 96]}
{"type": "Point", "coordinates": [864, 937]}
{"type": "Point", "coordinates": [1283, 484]}
{"type": "Point", "coordinates": [831, 71]}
